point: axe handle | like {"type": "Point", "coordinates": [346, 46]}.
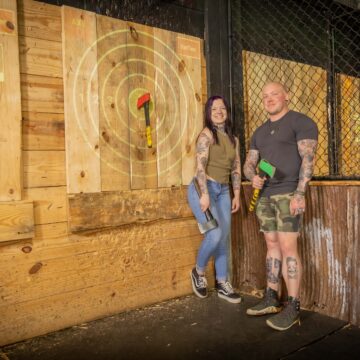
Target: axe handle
{"type": "Point", "coordinates": [209, 216]}
{"type": "Point", "coordinates": [147, 122]}
{"type": "Point", "coordinates": [255, 195]}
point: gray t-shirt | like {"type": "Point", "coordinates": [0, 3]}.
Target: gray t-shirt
{"type": "Point", "coordinates": [277, 143]}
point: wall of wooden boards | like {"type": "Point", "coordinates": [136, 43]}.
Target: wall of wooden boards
{"type": "Point", "coordinates": [58, 279]}
{"type": "Point", "coordinates": [329, 248]}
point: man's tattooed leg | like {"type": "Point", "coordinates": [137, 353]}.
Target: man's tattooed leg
{"type": "Point", "coordinates": [273, 270]}
{"type": "Point", "coordinates": [292, 268]}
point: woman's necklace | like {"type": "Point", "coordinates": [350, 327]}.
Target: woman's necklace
{"type": "Point", "coordinates": [220, 127]}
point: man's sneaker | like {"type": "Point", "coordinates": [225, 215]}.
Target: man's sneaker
{"type": "Point", "coordinates": [270, 304]}
{"type": "Point", "coordinates": [199, 284]}
{"type": "Point", "coordinates": [288, 317]}
{"type": "Point", "coordinates": [226, 292]}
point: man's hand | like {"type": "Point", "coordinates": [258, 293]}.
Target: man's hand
{"type": "Point", "coordinates": [258, 182]}
{"type": "Point", "coordinates": [204, 202]}
{"type": "Point", "coordinates": [297, 205]}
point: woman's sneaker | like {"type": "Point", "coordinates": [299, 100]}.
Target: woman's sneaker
{"type": "Point", "coordinates": [199, 284]}
{"type": "Point", "coordinates": [226, 292]}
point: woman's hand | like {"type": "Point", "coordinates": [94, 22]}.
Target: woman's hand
{"type": "Point", "coordinates": [204, 202]}
{"type": "Point", "coordinates": [235, 206]}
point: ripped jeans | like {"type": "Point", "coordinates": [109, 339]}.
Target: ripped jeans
{"type": "Point", "coordinates": [215, 242]}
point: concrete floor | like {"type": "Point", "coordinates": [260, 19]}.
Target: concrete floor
{"type": "Point", "coordinates": [192, 328]}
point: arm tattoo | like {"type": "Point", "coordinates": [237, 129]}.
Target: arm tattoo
{"type": "Point", "coordinates": [292, 268]}
{"type": "Point", "coordinates": [202, 155]}
{"type": "Point", "coordinates": [236, 168]}
{"type": "Point", "coordinates": [307, 150]}
{"type": "Point", "coordinates": [273, 270]}
{"type": "Point", "coordinates": [251, 162]}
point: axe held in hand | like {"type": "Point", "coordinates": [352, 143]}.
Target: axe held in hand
{"type": "Point", "coordinates": [144, 101]}
{"type": "Point", "coordinates": [265, 169]}
{"type": "Point", "coordinates": [211, 222]}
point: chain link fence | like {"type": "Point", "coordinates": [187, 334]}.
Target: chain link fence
{"type": "Point", "coordinates": [313, 47]}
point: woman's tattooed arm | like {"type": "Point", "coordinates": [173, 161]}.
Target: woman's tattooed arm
{"type": "Point", "coordinates": [307, 150]}
{"type": "Point", "coordinates": [202, 155]}
{"type": "Point", "coordinates": [251, 162]}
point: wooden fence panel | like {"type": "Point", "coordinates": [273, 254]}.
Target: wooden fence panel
{"type": "Point", "coordinates": [10, 104]}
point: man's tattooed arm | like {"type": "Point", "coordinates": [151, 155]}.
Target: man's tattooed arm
{"type": "Point", "coordinates": [236, 170]}
{"type": "Point", "coordinates": [307, 150]}
{"type": "Point", "coordinates": [202, 155]}
{"type": "Point", "coordinates": [251, 162]}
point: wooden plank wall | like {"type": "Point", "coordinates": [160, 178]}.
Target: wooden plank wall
{"type": "Point", "coordinates": [58, 279]}
{"type": "Point", "coordinates": [10, 104]}
{"type": "Point", "coordinates": [329, 248]}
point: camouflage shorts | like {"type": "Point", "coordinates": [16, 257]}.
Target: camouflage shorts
{"type": "Point", "coordinates": [273, 213]}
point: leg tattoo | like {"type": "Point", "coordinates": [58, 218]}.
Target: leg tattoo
{"type": "Point", "coordinates": [273, 270]}
{"type": "Point", "coordinates": [292, 268]}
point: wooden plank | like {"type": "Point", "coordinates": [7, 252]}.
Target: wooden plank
{"type": "Point", "coordinates": [39, 20]}
{"type": "Point", "coordinates": [140, 48]}
{"type": "Point", "coordinates": [43, 131]}
{"type": "Point", "coordinates": [42, 94]}
{"type": "Point", "coordinates": [44, 168]}
{"type": "Point", "coordinates": [114, 111]}
{"type": "Point", "coordinates": [10, 104]}
{"type": "Point", "coordinates": [189, 51]}
{"type": "Point", "coordinates": [81, 100]}
{"type": "Point", "coordinates": [16, 220]}
{"type": "Point", "coordinates": [349, 114]}
{"type": "Point", "coordinates": [353, 227]}
{"type": "Point", "coordinates": [168, 109]}
{"type": "Point", "coordinates": [110, 209]}
{"type": "Point", "coordinates": [40, 57]}
{"type": "Point", "coordinates": [132, 256]}
{"type": "Point", "coordinates": [49, 204]}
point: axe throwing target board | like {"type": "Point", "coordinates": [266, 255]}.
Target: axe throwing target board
{"type": "Point", "coordinates": [108, 64]}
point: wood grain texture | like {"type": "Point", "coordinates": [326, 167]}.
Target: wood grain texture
{"type": "Point", "coordinates": [44, 168]}
{"type": "Point", "coordinates": [141, 80]}
{"type": "Point", "coordinates": [39, 20]}
{"type": "Point", "coordinates": [43, 131]}
{"type": "Point", "coordinates": [40, 57]}
{"type": "Point", "coordinates": [16, 220]}
{"type": "Point", "coordinates": [113, 104]}
{"type": "Point", "coordinates": [104, 274]}
{"type": "Point", "coordinates": [81, 101]}
{"type": "Point", "coordinates": [111, 209]}
{"type": "Point", "coordinates": [189, 69]}
{"type": "Point", "coordinates": [10, 105]}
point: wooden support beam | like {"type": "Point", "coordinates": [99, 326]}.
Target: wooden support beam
{"type": "Point", "coordinates": [10, 104]}
{"type": "Point", "coordinates": [16, 220]}
{"type": "Point", "coordinates": [110, 209]}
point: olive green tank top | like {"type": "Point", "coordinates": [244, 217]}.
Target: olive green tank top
{"type": "Point", "coordinates": [221, 158]}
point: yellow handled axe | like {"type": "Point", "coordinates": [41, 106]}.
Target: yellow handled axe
{"type": "Point", "coordinates": [265, 169]}
{"type": "Point", "coordinates": [144, 100]}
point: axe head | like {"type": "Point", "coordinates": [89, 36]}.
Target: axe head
{"type": "Point", "coordinates": [207, 226]}
{"type": "Point", "coordinates": [266, 168]}
{"type": "Point", "coordinates": [143, 99]}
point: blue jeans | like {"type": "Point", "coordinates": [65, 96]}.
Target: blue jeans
{"type": "Point", "coordinates": [215, 242]}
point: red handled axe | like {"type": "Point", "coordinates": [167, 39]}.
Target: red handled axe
{"type": "Point", "coordinates": [144, 101]}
